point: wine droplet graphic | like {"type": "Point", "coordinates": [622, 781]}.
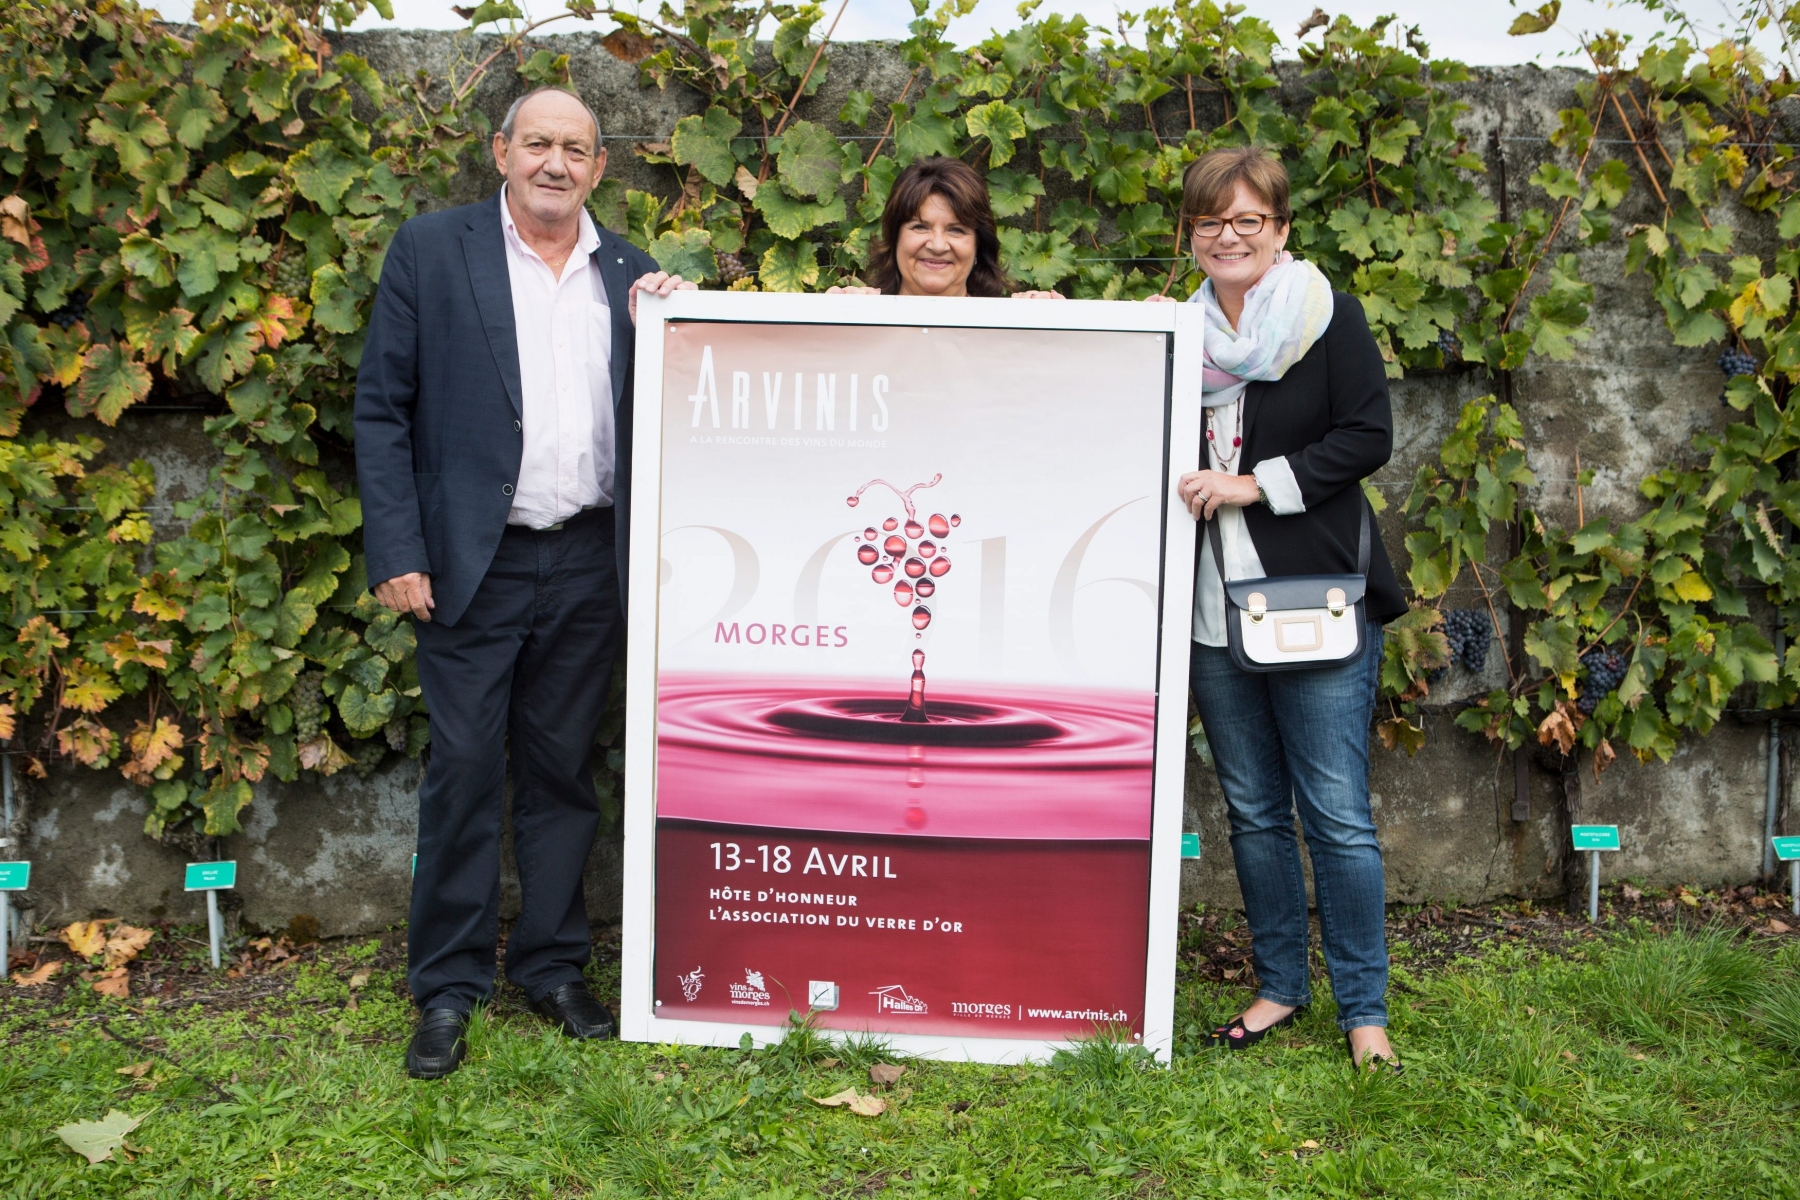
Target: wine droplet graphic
{"type": "Point", "coordinates": [927, 549]}
{"type": "Point", "coordinates": [867, 554]}
{"type": "Point", "coordinates": [903, 593]}
{"type": "Point", "coordinates": [869, 534]}
{"type": "Point", "coordinates": [883, 573]}
{"type": "Point", "coordinates": [921, 618]}
{"type": "Point", "coordinates": [895, 546]}
{"type": "Point", "coordinates": [914, 530]}
{"type": "Point", "coordinates": [955, 520]}
{"type": "Point", "coordinates": [924, 588]}
{"type": "Point", "coordinates": [852, 501]}
{"type": "Point", "coordinates": [938, 525]}
{"type": "Point", "coordinates": [890, 524]}
{"type": "Point", "coordinates": [915, 700]}
{"type": "Point", "coordinates": [914, 568]}
{"type": "Point", "coordinates": [940, 566]}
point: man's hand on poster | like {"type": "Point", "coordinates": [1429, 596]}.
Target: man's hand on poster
{"type": "Point", "coordinates": [408, 595]}
{"type": "Point", "coordinates": [657, 283]}
{"type": "Point", "coordinates": [1204, 491]}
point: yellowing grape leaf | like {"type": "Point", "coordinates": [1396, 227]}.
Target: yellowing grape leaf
{"type": "Point", "coordinates": [151, 747]}
{"type": "Point", "coordinates": [96, 1140]}
{"type": "Point", "coordinates": [86, 938]}
{"type": "Point", "coordinates": [862, 1106]}
{"type": "Point", "coordinates": [125, 943]}
{"type": "Point", "coordinates": [886, 1074]}
{"type": "Point", "coordinates": [42, 975]}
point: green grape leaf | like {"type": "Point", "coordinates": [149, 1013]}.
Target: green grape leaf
{"type": "Point", "coordinates": [855, 110]}
{"type": "Point", "coordinates": [811, 160]}
{"type": "Point", "coordinates": [921, 134]}
{"type": "Point", "coordinates": [1011, 193]}
{"type": "Point", "coordinates": [323, 173]}
{"type": "Point", "coordinates": [1536, 21]}
{"type": "Point", "coordinates": [1001, 125]}
{"type": "Point", "coordinates": [688, 254]}
{"type": "Point", "coordinates": [111, 382]}
{"type": "Point", "coordinates": [335, 301]}
{"type": "Point", "coordinates": [363, 713]}
{"type": "Point", "coordinates": [193, 111]}
{"type": "Point", "coordinates": [789, 218]}
{"type": "Point", "coordinates": [704, 143]}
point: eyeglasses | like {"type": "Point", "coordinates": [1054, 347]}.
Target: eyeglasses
{"type": "Point", "coordinates": [1246, 224]}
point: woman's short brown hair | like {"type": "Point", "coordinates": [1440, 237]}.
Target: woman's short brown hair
{"type": "Point", "coordinates": [1210, 183]}
{"type": "Point", "coordinates": [966, 192]}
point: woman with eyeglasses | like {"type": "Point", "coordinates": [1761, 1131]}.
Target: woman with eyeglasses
{"type": "Point", "coordinates": [1296, 418]}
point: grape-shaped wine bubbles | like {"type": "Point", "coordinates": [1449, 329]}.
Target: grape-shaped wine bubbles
{"type": "Point", "coordinates": [895, 546]}
{"type": "Point", "coordinates": [914, 568]}
{"type": "Point", "coordinates": [927, 549]}
{"type": "Point", "coordinates": [903, 593]}
{"type": "Point", "coordinates": [882, 573]}
{"type": "Point", "coordinates": [921, 616]}
{"type": "Point", "coordinates": [940, 566]}
{"type": "Point", "coordinates": [939, 525]}
{"type": "Point", "coordinates": [890, 524]}
{"type": "Point", "coordinates": [923, 588]}
{"type": "Point", "coordinates": [913, 530]}
{"type": "Point", "coordinates": [867, 554]}
{"type": "Point", "coordinates": [869, 534]}
{"type": "Point", "coordinates": [955, 520]}
{"type": "Point", "coordinates": [852, 501]}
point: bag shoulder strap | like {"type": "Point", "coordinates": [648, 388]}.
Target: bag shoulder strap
{"type": "Point", "coordinates": [1362, 543]}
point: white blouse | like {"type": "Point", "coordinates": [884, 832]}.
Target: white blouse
{"type": "Point", "coordinates": [1277, 481]}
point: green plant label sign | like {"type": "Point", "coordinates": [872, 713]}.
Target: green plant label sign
{"type": "Point", "coordinates": [15, 876]}
{"type": "Point", "coordinates": [1190, 845]}
{"type": "Point", "coordinates": [205, 877]}
{"type": "Point", "coordinates": [1787, 849]}
{"type": "Point", "coordinates": [1595, 837]}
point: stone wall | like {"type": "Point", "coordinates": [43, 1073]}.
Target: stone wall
{"type": "Point", "coordinates": [337, 850]}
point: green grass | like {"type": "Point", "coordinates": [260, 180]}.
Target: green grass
{"type": "Point", "coordinates": [1641, 1066]}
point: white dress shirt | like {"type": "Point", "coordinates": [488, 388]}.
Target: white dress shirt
{"type": "Point", "coordinates": [1277, 480]}
{"type": "Point", "coordinates": [565, 379]}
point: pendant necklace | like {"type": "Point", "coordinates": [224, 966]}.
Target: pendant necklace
{"type": "Point", "coordinates": [1227, 462]}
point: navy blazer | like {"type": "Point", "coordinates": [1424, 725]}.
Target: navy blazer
{"type": "Point", "coordinates": [439, 434]}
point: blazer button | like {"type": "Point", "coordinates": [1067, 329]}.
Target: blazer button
{"type": "Point", "coordinates": [517, 427]}
{"type": "Point", "coordinates": [506, 489]}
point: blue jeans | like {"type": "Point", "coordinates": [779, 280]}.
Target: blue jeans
{"type": "Point", "coordinates": [1302, 737]}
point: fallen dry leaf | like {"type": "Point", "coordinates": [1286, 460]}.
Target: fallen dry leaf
{"type": "Point", "coordinates": [96, 1140]}
{"type": "Point", "coordinates": [1309, 1144]}
{"type": "Point", "coordinates": [44, 973]}
{"type": "Point", "coordinates": [1569, 1054]}
{"type": "Point", "coordinates": [886, 1074]}
{"type": "Point", "coordinates": [125, 943]}
{"type": "Point", "coordinates": [135, 1070]}
{"type": "Point", "coordinates": [1778, 926]}
{"type": "Point", "coordinates": [1629, 892]}
{"type": "Point", "coordinates": [359, 980]}
{"type": "Point", "coordinates": [86, 938]}
{"type": "Point", "coordinates": [862, 1106]}
{"type": "Point", "coordinates": [828, 1063]}
{"type": "Point", "coordinates": [115, 983]}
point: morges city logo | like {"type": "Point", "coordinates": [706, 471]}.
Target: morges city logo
{"type": "Point", "coordinates": [752, 991]}
{"type": "Point", "coordinates": [690, 984]}
{"type": "Point", "coordinates": [894, 999]}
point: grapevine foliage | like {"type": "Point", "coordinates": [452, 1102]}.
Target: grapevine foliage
{"type": "Point", "coordinates": [199, 217]}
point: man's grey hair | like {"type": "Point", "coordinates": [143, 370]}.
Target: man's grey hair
{"type": "Point", "coordinates": [512, 114]}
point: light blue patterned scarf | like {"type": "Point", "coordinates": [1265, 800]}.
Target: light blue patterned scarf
{"type": "Point", "coordinates": [1286, 311]}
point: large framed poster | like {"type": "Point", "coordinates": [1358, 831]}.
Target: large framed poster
{"type": "Point", "coordinates": [909, 615]}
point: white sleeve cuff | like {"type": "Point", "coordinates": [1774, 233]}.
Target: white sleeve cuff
{"type": "Point", "coordinates": [1276, 478]}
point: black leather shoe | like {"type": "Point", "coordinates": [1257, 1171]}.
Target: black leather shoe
{"type": "Point", "coordinates": [437, 1045]}
{"type": "Point", "coordinates": [574, 1008]}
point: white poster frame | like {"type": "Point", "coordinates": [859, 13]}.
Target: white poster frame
{"type": "Point", "coordinates": [637, 1019]}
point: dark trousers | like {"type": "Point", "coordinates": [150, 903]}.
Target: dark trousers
{"type": "Point", "coordinates": [521, 679]}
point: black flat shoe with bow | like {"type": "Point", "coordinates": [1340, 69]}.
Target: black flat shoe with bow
{"type": "Point", "coordinates": [438, 1046]}
{"type": "Point", "coordinates": [1238, 1036]}
{"type": "Point", "coordinates": [574, 1008]}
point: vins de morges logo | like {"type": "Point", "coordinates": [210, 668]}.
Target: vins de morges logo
{"type": "Point", "coordinates": [894, 999]}
{"type": "Point", "coordinates": [752, 991]}
{"type": "Point", "coordinates": [690, 984]}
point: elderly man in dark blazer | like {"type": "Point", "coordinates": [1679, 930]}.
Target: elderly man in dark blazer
{"type": "Point", "coordinates": [493, 447]}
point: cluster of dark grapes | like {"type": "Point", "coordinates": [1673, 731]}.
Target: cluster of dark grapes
{"type": "Point", "coordinates": [395, 732]}
{"type": "Point", "coordinates": [1735, 362]}
{"type": "Point", "coordinates": [731, 269]}
{"type": "Point", "coordinates": [308, 702]}
{"type": "Point", "coordinates": [73, 309]}
{"type": "Point", "coordinates": [1605, 671]}
{"type": "Point", "coordinates": [1468, 631]}
{"type": "Point", "coordinates": [291, 277]}
{"type": "Point", "coordinates": [1449, 345]}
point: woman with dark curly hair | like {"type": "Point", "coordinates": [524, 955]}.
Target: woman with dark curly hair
{"type": "Point", "coordinates": [938, 237]}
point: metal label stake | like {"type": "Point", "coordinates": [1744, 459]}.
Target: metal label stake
{"type": "Point", "coordinates": [1594, 839]}
{"type": "Point", "coordinates": [14, 877]}
{"type": "Point", "coordinates": [1787, 849]}
{"type": "Point", "coordinates": [210, 878]}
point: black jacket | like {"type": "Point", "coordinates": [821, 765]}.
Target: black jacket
{"type": "Point", "coordinates": [1329, 417]}
{"type": "Point", "coordinates": [438, 406]}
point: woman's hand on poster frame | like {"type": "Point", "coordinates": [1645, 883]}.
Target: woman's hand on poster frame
{"type": "Point", "coordinates": [1204, 491]}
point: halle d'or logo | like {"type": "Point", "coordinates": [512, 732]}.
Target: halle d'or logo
{"type": "Point", "coordinates": [752, 991]}
{"type": "Point", "coordinates": [894, 999]}
{"type": "Point", "coordinates": [690, 984]}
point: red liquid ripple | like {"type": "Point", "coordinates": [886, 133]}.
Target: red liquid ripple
{"type": "Point", "coordinates": [940, 566]}
{"type": "Point", "coordinates": [993, 761]}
